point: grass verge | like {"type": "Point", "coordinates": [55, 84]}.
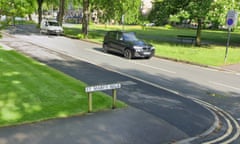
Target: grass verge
{"type": "Point", "coordinates": [31, 91]}
{"type": "Point", "coordinates": [164, 39]}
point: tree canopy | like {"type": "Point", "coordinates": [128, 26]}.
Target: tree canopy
{"type": "Point", "coordinates": [163, 12]}
{"type": "Point", "coordinates": [114, 10]}
{"type": "Point", "coordinates": [199, 11]}
{"type": "Point", "coordinates": [17, 7]}
{"type": "Point", "coordinates": [209, 10]}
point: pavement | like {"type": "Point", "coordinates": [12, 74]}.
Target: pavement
{"type": "Point", "coordinates": [233, 68]}
{"type": "Point", "coordinates": [121, 126]}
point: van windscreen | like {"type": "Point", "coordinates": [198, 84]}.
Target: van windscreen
{"type": "Point", "coordinates": [53, 23]}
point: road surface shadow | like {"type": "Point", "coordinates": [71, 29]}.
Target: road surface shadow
{"type": "Point", "coordinates": [180, 112]}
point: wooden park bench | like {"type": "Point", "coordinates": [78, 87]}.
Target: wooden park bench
{"type": "Point", "coordinates": [187, 38]}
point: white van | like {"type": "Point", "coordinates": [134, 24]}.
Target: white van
{"type": "Point", "coordinates": [51, 27]}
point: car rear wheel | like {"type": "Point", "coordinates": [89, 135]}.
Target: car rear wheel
{"type": "Point", "coordinates": [127, 54]}
{"type": "Point", "coordinates": [105, 48]}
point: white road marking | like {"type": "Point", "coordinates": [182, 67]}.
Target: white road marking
{"type": "Point", "coordinates": [224, 85]}
{"type": "Point", "coordinates": [157, 68]}
{"type": "Point", "coordinates": [144, 81]}
{"type": "Point", "coordinates": [127, 83]}
{"type": "Point", "coordinates": [123, 74]}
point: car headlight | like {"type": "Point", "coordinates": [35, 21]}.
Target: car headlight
{"type": "Point", "coordinates": [138, 48]}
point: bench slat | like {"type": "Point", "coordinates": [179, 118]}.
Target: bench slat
{"type": "Point", "coordinates": [187, 37]}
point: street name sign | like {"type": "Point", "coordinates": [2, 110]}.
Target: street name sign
{"type": "Point", "coordinates": [102, 87]}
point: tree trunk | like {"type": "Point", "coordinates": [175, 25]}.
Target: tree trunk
{"type": "Point", "coordinates": [199, 30]}
{"type": "Point", "coordinates": [40, 2]}
{"type": "Point", "coordinates": [30, 17]}
{"type": "Point", "coordinates": [61, 12]}
{"type": "Point", "coordinates": [13, 21]}
{"type": "Point", "coordinates": [85, 18]}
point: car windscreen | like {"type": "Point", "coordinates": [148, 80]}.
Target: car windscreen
{"type": "Point", "coordinates": [129, 37]}
{"type": "Point", "coordinates": [53, 23]}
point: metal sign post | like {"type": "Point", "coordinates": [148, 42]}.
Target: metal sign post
{"type": "Point", "coordinates": [123, 22]}
{"type": "Point", "coordinates": [91, 89]}
{"type": "Point", "coordinates": [231, 21]}
{"type": "Point", "coordinates": [228, 40]}
{"type": "Point", "coordinates": [90, 102]}
{"type": "Point", "coordinates": [114, 98]}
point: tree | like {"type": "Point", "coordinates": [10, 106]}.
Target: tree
{"type": "Point", "coordinates": [160, 13]}
{"type": "Point", "coordinates": [218, 11]}
{"type": "Point", "coordinates": [30, 7]}
{"type": "Point", "coordinates": [131, 11]}
{"type": "Point", "coordinates": [40, 3]}
{"type": "Point", "coordinates": [164, 8]}
{"type": "Point", "coordinates": [198, 10]}
{"type": "Point", "coordinates": [202, 10]}
{"type": "Point", "coordinates": [115, 9]}
{"type": "Point", "coordinates": [61, 11]}
{"type": "Point", "coordinates": [13, 8]}
{"type": "Point", "coordinates": [111, 10]}
{"type": "Point", "coordinates": [85, 20]}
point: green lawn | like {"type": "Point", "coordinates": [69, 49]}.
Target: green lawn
{"type": "Point", "coordinates": [211, 56]}
{"type": "Point", "coordinates": [31, 91]}
{"type": "Point", "coordinates": [164, 39]}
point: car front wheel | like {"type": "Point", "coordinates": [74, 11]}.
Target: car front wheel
{"type": "Point", "coordinates": [128, 54]}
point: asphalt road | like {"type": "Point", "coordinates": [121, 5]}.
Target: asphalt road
{"type": "Point", "coordinates": [150, 87]}
{"type": "Point", "coordinates": [216, 86]}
